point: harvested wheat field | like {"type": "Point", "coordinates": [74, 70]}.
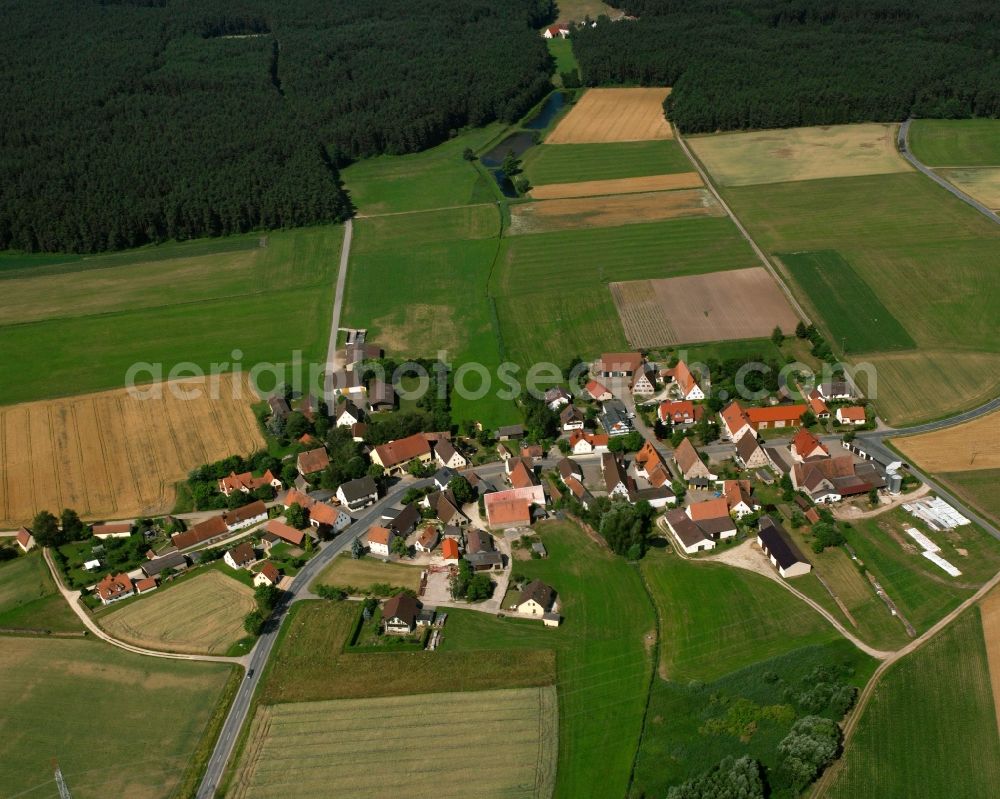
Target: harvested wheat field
{"type": "Point", "coordinates": [111, 455]}
{"type": "Point", "coordinates": [200, 616]}
{"type": "Point", "coordinates": [981, 183]}
{"type": "Point", "coordinates": [737, 304]}
{"type": "Point", "coordinates": [504, 743]}
{"type": "Point", "coordinates": [990, 611]}
{"type": "Point", "coordinates": [614, 115]}
{"type": "Point", "coordinates": [779, 156]}
{"type": "Point", "coordinates": [546, 216]}
{"type": "Point", "coordinates": [594, 188]}
{"type": "Point", "coordinates": [964, 447]}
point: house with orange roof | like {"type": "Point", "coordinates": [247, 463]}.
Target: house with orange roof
{"type": "Point", "coordinates": [712, 517]}
{"type": "Point", "coordinates": [114, 588]}
{"type": "Point", "coordinates": [679, 412]}
{"type": "Point", "coordinates": [521, 475]}
{"type": "Point", "coordinates": [735, 423]}
{"type": "Point", "coordinates": [684, 382]}
{"type": "Point", "coordinates": [513, 512]}
{"type": "Point", "coordinates": [618, 364]}
{"type": "Point", "coordinates": [853, 414]}
{"type": "Point", "coordinates": [739, 498]}
{"type": "Point", "coordinates": [213, 527]}
{"type": "Point", "coordinates": [380, 540]}
{"type": "Point", "coordinates": [774, 417]}
{"type": "Point", "coordinates": [806, 446]}
{"type": "Point", "coordinates": [145, 585]}
{"type": "Point", "coordinates": [285, 532]}
{"type": "Point", "coordinates": [247, 483]}
{"type": "Point", "coordinates": [583, 443]}
{"type": "Point", "coordinates": [689, 461]}
{"type": "Point", "coordinates": [649, 464]}
{"type": "Point", "coordinates": [817, 405]}
{"type": "Point", "coordinates": [557, 31]}
{"type": "Point", "coordinates": [268, 575]}
{"type": "Point", "coordinates": [312, 461]}
{"type": "Point", "coordinates": [395, 456]}
{"type": "Point", "coordinates": [449, 551]}
{"type": "Point", "coordinates": [597, 391]}
{"type": "Point", "coordinates": [112, 530]}
{"type": "Point", "coordinates": [25, 539]}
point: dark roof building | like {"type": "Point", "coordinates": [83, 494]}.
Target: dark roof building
{"type": "Point", "coordinates": [783, 554]}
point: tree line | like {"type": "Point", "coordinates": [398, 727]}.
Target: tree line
{"type": "Point", "coordinates": [140, 121]}
{"type": "Point", "coordinates": [785, 63]}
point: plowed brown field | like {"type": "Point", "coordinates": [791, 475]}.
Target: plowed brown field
{"type": "Point", "coordinates": [593, 188]}
{"type": "Point", "coordinates": [110, 455]}
{"type": "Point", "coordinates": [613, 115]}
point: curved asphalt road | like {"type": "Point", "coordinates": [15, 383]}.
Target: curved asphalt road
{"type": "Point", "coordinates": [903, 142]}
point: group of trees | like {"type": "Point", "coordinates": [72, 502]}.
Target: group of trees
{"type": "Point", "coordinates": [52, 531]}
{"type": "Point", "coordinates": [469, 585]}
{"type": "Point", "coordinates": [266, 598]}
{"type": "Point", "coordinates": [784, 63]}
{"type": "Point", "coordinates": [203, 482]}
{"type": "Point", "coordinates": [135, 121]}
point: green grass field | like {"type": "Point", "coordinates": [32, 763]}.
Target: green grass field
{"type": "Point", "coordinates": [930, 730]}
{"type": "Point", "coordinates": [854, 315]}
{"type": "Point", "coordinates": [435, 178]}
{"type": "Point", "coordinates": [362, 573]}
{"type": "Point", "coordinates": [603, 664]}
{"type": "Point", "coordinates": [956, 142]}
{"type": "Point", "coordinates": [573, 163]}
{"type": "Point", "coordinates": [978, 487]}
{"type": "Point", "coordinates": [29, 598]}
{"type": "Point", "coordinates": [517, 728]}
{"type": "Point", "coordinates": [117, 723]}
{"type": "Point", "coordinates": [718, 619]}
{"type": "Point", "coordinates": [927, 257]}
{"type": "Point", "coordinates": [88, 321]}
{"type": "Point", "coordinates": [690, 727]}
{"type": "Point", "coordinates": [562, 51]}
{"type": "Point", "coordinates": [552, 289]}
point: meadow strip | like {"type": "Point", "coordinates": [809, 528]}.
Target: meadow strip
{"type": "Point", "coordinates": [592, 188]}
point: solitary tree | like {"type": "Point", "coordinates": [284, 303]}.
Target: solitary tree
{"type": "Point", "coordinates": [468, 154]}
{"type": "Point", "coordinates": [72, 527]}
{"type": "Point", "coordinates": [253, 622]}
{"type": "Point", "coordinates": [801, 331]}
{"type": "Point", "coordinates": [357, 549]}
{"type": "Point", "coordinates": [399, 546]}
{"type": "Point", "coordinates": [511, 165]}
{"type": "Point", "coordinates": [45, 528]}
{"type": "Point", "coordinates": [295, 515]}
{"type": "Point", "coordinates": [777, 336]}
{"type": "Point", "coordinates": [462, 489]}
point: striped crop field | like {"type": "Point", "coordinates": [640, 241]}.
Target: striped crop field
{"type": "Point", "coordinates": [502, 742]}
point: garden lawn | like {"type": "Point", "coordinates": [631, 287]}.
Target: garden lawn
{"type": "Point", "coordinates": [574, 163]}
{"type": "Point", "coordinates": [717, 619]}
{"type": "Point", "coordinates": [551, 288]}
{"type": "Point", "coordinates": [362, 573]}
{"type": "Point", "coordinates": [603, 665]}
{"type": "Point", "coordinates": [562, 51]}
{"type": "Point", "coordinates": [925, 255]}
{"type": "Point", "coordinates": [690, 727]}
{"type": "Point", "coordinates": [29, 597]}
{"type": "Point", "coordinates": [956, 142]}
{"type": "Point", "coordinates": [435, 178]}
{"type": "Point", "coordinates": [149, 714]}
{"type": "Point", "coordinates": [141, 307]}
{"type": "Point", "coordinates": [930, 729]}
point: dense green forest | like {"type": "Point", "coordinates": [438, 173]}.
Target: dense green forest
{"type": "Point", "coordinates": [135, 121]}
{"type": "Point", "coordinates": [738, 64]}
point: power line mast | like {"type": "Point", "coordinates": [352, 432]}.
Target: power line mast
{"type": "Point", "coordinates": [61, 783]}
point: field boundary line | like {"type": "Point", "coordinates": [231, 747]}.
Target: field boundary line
{"type": "Point", "coordinates": [422, 210]}
{"type": "Point", "coordinates": [706, 179]}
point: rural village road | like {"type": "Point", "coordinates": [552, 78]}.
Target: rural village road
{"type": "Point", "coordinates": [338, 305]}
{"type": "Point", "coordinates": [903, 145]}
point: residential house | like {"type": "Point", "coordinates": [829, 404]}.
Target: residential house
{"type": "Point", "coordinates": [536, 599]}
{"type": "Point", "coordinates": [213, 527]}
{"type": "Point", "coordinates": [114, 588]}
{"type": "Point", "coordinates": [428, 539]}
{"type": "Point", "coordinates": [442, 477]}
{"type": "Point", "coordinates": [571, 418]}
{"type": "Point", "coordinates": [558, 31]}
{"type": "Point", "coordinates": [312, 461]}
{"type": "Point", "coordinates": [309, 407]}
{"type": "Point", "coordinates": [511, 431]}
{"type": "Point", "coordinates": [854, 414]}
{"type": "Point", "coordinates": [395, 456]}
{"type": "Point", "coordinates": [831, 479]}
{"type": "Point", "coordinates": [688, 535]}
{"type": "Point", "coordinates": [406, 521]}
{"type": "Point", "coordinates": [521, 475]}
{"type": "Point", "coordinates": [817, 406]}
{"type": "Point", "coordinates": [446, 507]}
{"type": "Point", "coordinates": [285, 532]}
{"type": "Point", "coordinates": [775, 542]}
{"type": "Point", "coordinates": [644, 380]}
{"type": "Point", "coordinates": [735, 423]}
{"type": "Point", "coordinates": [348, 414]}
{"type": "Point", "coordinates": [268, 575]}
{"type": "Point", "coordinates": [568, 468]}
{"type": "Point", "coordinates": [449, 457]}
{"type": "Point", "coordinates": [279, 407]}
{"type": "Point", "coordinates": [174, 561]}
{"type": "Point", "coordinates": [579, 491]}
{"type": "Point", "coordinates": [597, 391]}
{"type": "Point", "coordinates": [657, 497]}
{"type": "Point", "coordinates": [836, 390]}
{"type": "Point", "coordinates": [749, 453]}
{"type": "Point", "coordinates": [684, 382]}
{"type": "Point", "coordinates": [615, 419]}
{"type": "Point", "coordinates": [739, 498]}
{"type": "Point", "coordinates": [449, 551]}
{"type": "Point", "coordinates": [247, 483]}
{"type": "Point", "coordinates": [618, 364]}
{"type": "Point", "coordinates": [399, 614]}
{"type": "Point", "coordinates": [359, 493]}
{"type": "Point", "coordinates": [112, 530]}
{"type": "Point", "coordinates": [246, 516]}
{"type": "Point", "coordinates": [533, 452]}
{"type": "Point", "coordinates": [649, 464]}
{"type": "Point", "coordinates": [380, 540]}
{"type": "Point", "coordinates": [712, 515]}
{"type": "Point", "coordinates": [616, 480]}
{"type": "Point", "coordinates": [556, 397]}
{"type": "Point", "coordinates": [775, 416]}
{"type": "Point", "coordinates": [25, 539]}
{"type": "Point", "coordinates": [481, 553]}
{"type": "Point", "coordinates": [145, 585]}
{"type": "Point", "coordinates": [357, 352]}
{"type": "Point", "coordinates": [805, 446]}
{"type": "Point", "coordinates": [679, 412]}
{"type": "Point", "coordinates": [321, 516]}
{"type": "Point", "coordinates": [508, 509]}
{"type": "Point", "coordinates": [240, 556]}
{"type": "Point", "coordinates": [584, 443]}
{"type": "Point", "coordinates": [689, 461]}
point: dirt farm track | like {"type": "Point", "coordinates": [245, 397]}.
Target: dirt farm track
{"type": "Point", "coordinates": [110, 455]}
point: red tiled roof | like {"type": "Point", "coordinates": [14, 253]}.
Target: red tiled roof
{"type": "Point", "coordinates": [114, 587]}
{"type": "Point", "coordinates": [805, 443]}
{"type": "Point", "coordinates": [379, 535]}
{"type": "Point", "coordinates": [680, 411]}
{"type": "Point", "coordinates": [203, 531]}
{"type": "Point", "coordinates": [683, 377]}
{"type": "Point", "coordinates": [737, 491]}
{"type": "Point", "coordinates": [403, 450]}
{"type": "Point", "coordinates": [709, 509]}
{"type": "Point", "coordinates": [619, 362]}
{"type": "Point", "coordinates": [521, 476]}
{"type": "Point", "coordinates": [285, 532]}
{"type": "Point", "coordinates": [686, 455]}
{"type": "Point", "coordinates": [735, 417]}
{"type": "Point", "coordinates": [853, 413]}
{"type": "Point", "coordinates": [776, 413]}
{"type": "Point", "coordinates": [112, 529]}
{"type": "Point", "coordinates": [449, 549]}
{"type": "Point", "coordinates": [509, 511]}
{"type": "Point", "coordinates": [270, 571]}
{"type": "Point", "coordinates": [315, 460]}
{"type": "Point", "coordinates": [24, 536]}
{"type": "Point", "coordinates": [596, 389]}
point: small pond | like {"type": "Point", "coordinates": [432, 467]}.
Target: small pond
{"type": "Point", "coordinates": [553, 105]}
